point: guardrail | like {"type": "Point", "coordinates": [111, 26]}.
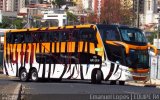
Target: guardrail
{"type": "Point", "coordinates": [155, 67]}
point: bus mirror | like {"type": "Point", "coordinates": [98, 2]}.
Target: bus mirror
{"type": "Point", "coordinates": [154, 48]}
{"type": "Point", "coordinates": [98, 49]}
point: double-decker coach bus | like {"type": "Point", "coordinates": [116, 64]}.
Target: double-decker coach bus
{"type": "Point", "coordinates": [91, 52]}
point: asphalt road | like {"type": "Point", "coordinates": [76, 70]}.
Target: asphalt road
{"type": "Point", "coordinates": [78, 90]}
{"type": "Point", "coordinates": [83, 90]}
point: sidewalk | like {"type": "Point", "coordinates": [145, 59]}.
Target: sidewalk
{"type": "Point", "coordinates": [11, 91]}
{"type": "Point", "coordinates": [151, 83]}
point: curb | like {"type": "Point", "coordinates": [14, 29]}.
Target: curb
{"type": "Point", "coordinates": [134, 84]}
{"type": "Point", "coordinates": [17, 92]}
{"type": "Point", "coordinates": [142, 85]}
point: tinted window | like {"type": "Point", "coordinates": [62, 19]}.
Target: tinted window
{"type": "Point", "coordinates": [109, 34]}
{"type": "Point", "coordinates": [88, 35]}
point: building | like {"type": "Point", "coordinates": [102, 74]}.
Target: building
{"type": "Point", "coordinates": [149, 18]}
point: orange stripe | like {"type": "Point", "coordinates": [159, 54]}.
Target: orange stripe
{"type": "Point", "coordinates": [92, 48]}
{"type": "Point", "coordinates": [80, 46]}
{"type": "Point", "coordinates": [63, 47]}
{"type": "Point", "coordinates": [139, 78]}
{"type": "Point", "coordinates": [140, 70]}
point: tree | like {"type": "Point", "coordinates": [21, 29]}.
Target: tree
{"type": "Point", "coordinates": [71, 17]}
{"type": "Point", "coordinates": [91, 18]}
{"type": "Point", "coordinates": [18, 23]}
{"type": "Point", "coordinates": [58, 2]}
{"type": "Point", "coordinates": [5, 22]}
{"type": "Point", "coordinates": [117, 11]}
{"type": "Point", "coordinates": [8, 22]}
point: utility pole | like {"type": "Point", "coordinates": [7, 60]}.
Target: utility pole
{"type": "Point", "coordinates": [138, 13]}
{"type": "Point", "coordinates": [28, 18]}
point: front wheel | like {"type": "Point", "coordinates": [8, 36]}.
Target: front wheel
{"type": "Point", "coordinates": [34, 75]}
{"type": "Point", "coordinates": [23, 75]}
{"type": "Point", "coordinates": [96, 77]}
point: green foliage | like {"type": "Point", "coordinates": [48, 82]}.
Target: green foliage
{"type": "Point", "coordinates": [151, 37]}
{"type": "Point", "coordinates": [71, 16]}
{"type": "Point", "coordinates": [11, 23]}
{"type": "Point", "coordinates": [5, 22]}
{"type": "Point", "coordinates": [18, 23]}
{"type": "Point", "coordinates": [59, 2]}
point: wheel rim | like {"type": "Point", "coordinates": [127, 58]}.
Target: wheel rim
{"type": "Point", "coordinates": [34, 76]}
{"type": "Point", "coordinates": [23, 75]}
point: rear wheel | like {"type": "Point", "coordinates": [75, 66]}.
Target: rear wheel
{"type": "Point", "coordinates": [96, 77]}
{"type": "Point", "coordinates": [23, 75]}
{"type": "Point", "coordinates": [34, 75]}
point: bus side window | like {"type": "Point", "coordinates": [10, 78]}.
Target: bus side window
{"type": "Point", "coordinates": [43, 36]}
{"type": "Point", "coordinates": [75, 35]}
{"type": "Point", "coordinates": [88, 35]}
{"type": "Point", "coordinates": [53, 36]}
{"type": "Point", "coordinates": [18, 38]}
{"type": "Point", "coordinates": [8, 37]}
{"type": "Point", "coordinates": [112, 35]}
{"type": "Point", "coordinates": [28, 37]}
{"type": "Point", "coordinates": [64, 35]}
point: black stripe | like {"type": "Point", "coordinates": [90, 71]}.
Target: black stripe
{"type": "Point", "coordinates": [54, 68]}
{"type": "Point", "coordinates": [65, 68]}
{"type": "Point", "coordinates": [31, 56]}
{"type": "Point", "coordinates": [71, 74]}
{"type": "Point", "coordinates": [110, 72]}
{"type": "Point", "coordinates": [119, 76]}
{"type": "Point", "coordinates": [76, 47]}
{"type": "Point", "coordinates": [83, 48]}
{"type": "Point", "coordinates": [5, 68]}
{"type": "Point", "coordinates": [11, 49]}
{"type": "Point", "coordinates": [16, 65]}
{"type": "Point", "coordinates": [39, 50]}
{"type": "Point", "coordinates": [66, 47]}
{"type": "Point", "coordinates": [88, 65]}
{"type": "Point", "coordinates": [88, 47]}
{"type": "Point", "coordinates": [69, 68]}
{"type": "Point", "coordinates": [44, 67]}
{"type": "Point", "coordinates": [116, 69]}
{"type": "Point", "coordinates": [55, 47]}
{"type": "Point", "coordinates": [81, 72]}
{"type": "Point", "coordinates": [25, 55]}
{"type": "Point", "coordinates": [50, 63]}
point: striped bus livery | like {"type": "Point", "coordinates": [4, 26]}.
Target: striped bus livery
{"type": "Point", "coordinates": [68, 52]}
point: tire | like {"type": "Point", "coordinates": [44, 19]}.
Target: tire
{"type": "Point", "coordinates": [96, 77]}
{"type": "Point", "coordinates": [23, 75]}
{"type": "Point", "coordinates": [34, 75]}
{"type": "Point", "coordinates": [113, 82]}
{"type": "Point", "coordinates": [121, 82]}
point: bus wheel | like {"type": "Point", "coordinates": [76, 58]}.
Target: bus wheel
{"type": "Point", "coordinates": [23, 75]}
{"type": "Point", "coordinates": [121, 82]}
{"type": "Point", "coordinates": [34, 75]}
{"type": "Point", "coordinates": [96, 77]}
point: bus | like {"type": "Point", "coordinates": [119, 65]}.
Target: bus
{"type": "Point", "coordinates": [94, 52]}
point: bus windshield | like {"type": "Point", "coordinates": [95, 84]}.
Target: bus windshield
{"type": "Point", "coordinates": [132, 35]}
{"type": "Point", "coordinates": [138, 59]}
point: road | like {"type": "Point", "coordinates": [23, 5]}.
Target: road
{"type": "Point", "coordinates": [83, 90]}
{"type": "Point", "coordinates": [78, 90]}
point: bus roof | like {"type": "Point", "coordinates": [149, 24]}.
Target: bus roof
{"type": "Point", "coordinates": [51, 28]}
